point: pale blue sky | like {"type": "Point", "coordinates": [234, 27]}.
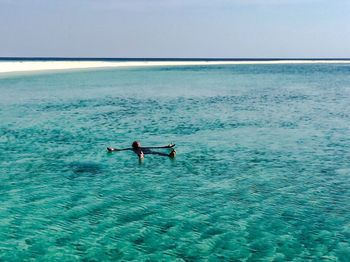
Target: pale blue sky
{"type": "Point", "coordinates": [175, 28]}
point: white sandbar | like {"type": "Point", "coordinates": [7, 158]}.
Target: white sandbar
{"type": "Point", "coordinates": [28, 66]}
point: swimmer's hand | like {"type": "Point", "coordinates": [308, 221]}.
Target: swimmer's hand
{"type": "Point", "coordinates": [141, 155]}
{"type": "Point", "coordinates": [170, 145]}
{"type": "Point", "coordinates": [172, 153]}
{"type": "Point", "coordinates": [112, 149]}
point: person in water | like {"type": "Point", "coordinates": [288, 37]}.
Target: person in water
{"type": "Point", "coordinates": [142, 151]}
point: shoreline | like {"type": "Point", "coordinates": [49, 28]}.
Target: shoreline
{"type": "Point", "coordinates": [32, 66]}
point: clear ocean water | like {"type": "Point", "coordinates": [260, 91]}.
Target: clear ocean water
{"type": "Point", "coordinates": [262, 171]}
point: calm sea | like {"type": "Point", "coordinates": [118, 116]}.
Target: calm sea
{"type": "Point", "coordinates": [262, 171]}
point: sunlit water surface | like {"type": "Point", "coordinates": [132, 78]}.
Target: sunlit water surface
{"type": "Point", "coordinates": [262, 170]}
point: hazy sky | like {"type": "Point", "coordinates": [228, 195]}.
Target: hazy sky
{"type": "Point", "coordinates": [175, 28]}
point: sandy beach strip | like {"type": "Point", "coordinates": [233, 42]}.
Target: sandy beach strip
{"type": "Point", "coordinates": [28, 66]}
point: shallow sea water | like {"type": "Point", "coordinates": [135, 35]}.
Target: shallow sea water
{"type": "Point", "coordinates": [262, 171]}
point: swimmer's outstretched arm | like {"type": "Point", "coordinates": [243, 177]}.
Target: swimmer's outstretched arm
{"type": "Point", "coordinates": [112, 149]}
{"type": "Point", "coordinates": [158, 147]}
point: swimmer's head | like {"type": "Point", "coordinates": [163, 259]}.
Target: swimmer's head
{"type": "Point", "coordinates": [136, 145]}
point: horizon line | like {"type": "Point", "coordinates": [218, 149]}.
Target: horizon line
{"type": "Point", "coordinates": [58, 58]}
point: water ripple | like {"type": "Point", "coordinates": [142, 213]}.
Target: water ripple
{"type": "Point", "coordinates": [262, 171]}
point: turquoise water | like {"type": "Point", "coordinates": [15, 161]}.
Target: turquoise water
{"type": "Point", "coordinates": [262, 171]}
